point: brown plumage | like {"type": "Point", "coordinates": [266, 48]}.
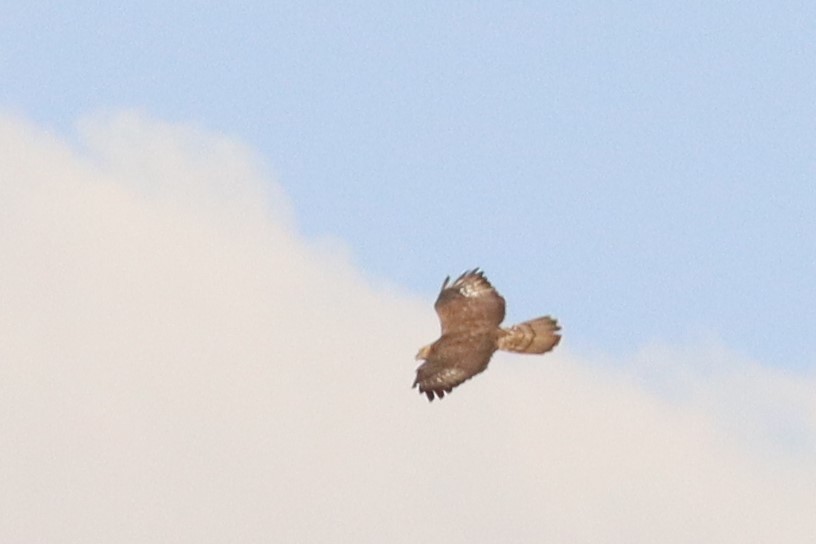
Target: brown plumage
{"type": "Point", "coordinates": [470, 312]}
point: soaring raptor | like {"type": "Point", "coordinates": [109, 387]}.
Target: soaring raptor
{"type": "Point", "coordinates": [470, 311]}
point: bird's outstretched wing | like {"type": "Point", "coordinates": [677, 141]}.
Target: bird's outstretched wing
{"type": "Point", "coordinates": [470, 303]}
{"type": "Point", "coordinates": [460, 358]}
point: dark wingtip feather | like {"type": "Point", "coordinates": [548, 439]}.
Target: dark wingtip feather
{"type": "Point", "coordinates": [434, 394]}
{"type": "Point", "coordinates": [467, 273]}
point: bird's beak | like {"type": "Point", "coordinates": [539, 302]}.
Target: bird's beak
{"type": "Point", "coordinates": [423, 353]}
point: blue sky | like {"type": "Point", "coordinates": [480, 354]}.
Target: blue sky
{"type": "Point", "coordinates": [644, 170]}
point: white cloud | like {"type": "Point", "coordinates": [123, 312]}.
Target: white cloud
{"type": "Point", "coordinates": [177, 364]}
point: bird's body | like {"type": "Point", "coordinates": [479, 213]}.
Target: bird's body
{"type": "Point", "coordinates": [470, 312]}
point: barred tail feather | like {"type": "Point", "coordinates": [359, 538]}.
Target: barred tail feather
{"type": "Point", "coordinates": [535, 336]}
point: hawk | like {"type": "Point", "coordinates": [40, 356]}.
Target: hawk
{"type": "Point", "coordinates": [470, 311]}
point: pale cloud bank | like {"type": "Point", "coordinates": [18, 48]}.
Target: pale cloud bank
{"type": "Point", "coordinates": [177, 364]}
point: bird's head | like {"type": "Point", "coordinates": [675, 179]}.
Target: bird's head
{"type": "Point", "coordinates": [423, 353]}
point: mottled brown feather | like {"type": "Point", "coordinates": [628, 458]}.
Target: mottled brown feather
{"type": "Point", "coordinates": [469, 303]}
{"type": "Point", "coordinates": [470, 311]}
{"type": "Point", "coordinates": [534, 336]}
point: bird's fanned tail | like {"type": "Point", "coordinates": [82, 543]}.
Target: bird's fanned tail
{"type": "Point", "coordinates": [538, 335]}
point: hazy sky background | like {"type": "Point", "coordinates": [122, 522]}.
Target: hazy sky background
{"type": "Point", "coordinates": [647, 166]}
{"type": "Point", "coordinates": [222, 227]}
